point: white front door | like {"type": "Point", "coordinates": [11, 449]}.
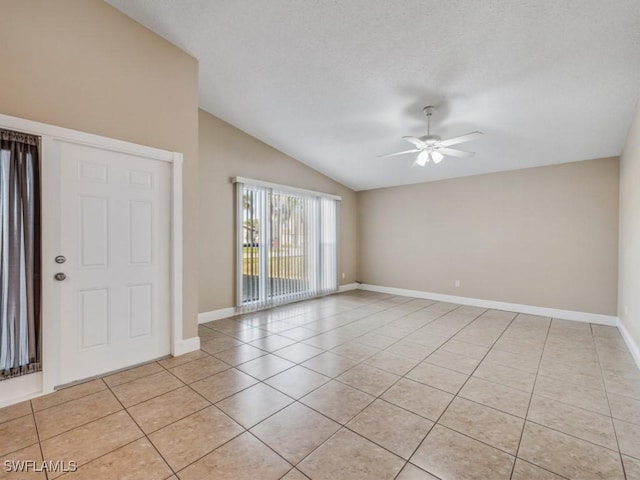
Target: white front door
{"type": "Point", "coordinates": [115, 236]}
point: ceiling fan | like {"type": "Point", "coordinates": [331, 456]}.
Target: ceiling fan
{"type": "Point", "coordinates": [432, 147]}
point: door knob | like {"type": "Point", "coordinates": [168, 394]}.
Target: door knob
{"type": "Point", "coordinates": [60, 276]}
{"type": "Point", "coordinates": [60, 259]}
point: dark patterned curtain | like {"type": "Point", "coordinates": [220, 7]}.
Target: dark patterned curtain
{"type": "Point", "coordinates": [20, 263]}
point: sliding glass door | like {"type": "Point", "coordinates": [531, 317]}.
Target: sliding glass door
{"type": "Point", "coordinates": [287, 244]}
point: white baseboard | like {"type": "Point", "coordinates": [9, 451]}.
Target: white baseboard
{"type": "Point", "coordinates": [185, 346]}
{"type": "Point", "coordinates": [348, 287]}
{"type": "Point", "coordinates": [19, 389]}
{"type": "Point", "coordinates": [219, 314]}
{"type": "Point", "coordinates": [600, 319]}
{"type": "Point", "coordinates": [631, 344]}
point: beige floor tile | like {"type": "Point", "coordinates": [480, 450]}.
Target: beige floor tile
{"type": "Point", "coordinates": [462, 348]}
{"type": "Point", "coordinates": [453, 361]}
{"type": "Point", "coordinates": [132, 374]}
{"type": "Point", "coordinates": [500, 397]}
{"type": "Point", "coordinates": [251, 334]}
{"type": "Point", "coordinates": [504, 375]}
{"type": "Point", "coordinates": [349, 456]}
{"type": "Point", "coordinates": [297, 381]}
{"type": "Point", "coordinates": [520, 362]}
{"type": "Point", "coordinates": [483, 423]}
{"type": "Point", "coordinates": [69, 415]}
{"type": "Point", "coordinates": [17, 434]}
{"type": "Point", "coordinates": [590, 426]}
{"type": "Point", "coordinates": [222, 385]}
{"type": "Point", "coordinates": [198, 369]}
{"type": "Point", "coordinates": [418, 398]}
{"type": "Point", "coordinates": [392, 363]}
{"type": "Point", "coordinates": [325, 341]}
{"type": "Point", "coordinates": [299, 333]}
{"type": "Point", "coordinates": [368, 379]}
{"type": "Point", "coordinates": [67, 394]}
{"type": "Point", "coordinates": [578, 396]}
{"type": "Point", "coordinates": [93, 440]}
{"type": "Point", "coordinates": [298, 352]}
{"type": "Point", "coordinates": [376, 341]}
{"type": "Point", "coordinates": [138, 460]}
{"type": "Point", "coordinates": [628, 438]}
{"type": "Point", "coordinates": [623, 386]}
{"type": "Point", "coordinates": [179, 360]}
{"type": "Point", "coordinates": [527, 471]}
{"type": "Point", "coordinates": [272, 343]}
{"type": "Point", "coordinates": [438, 377]}
{"type": "Point", "coordinates": [218, 343]}
{"type": "Point", "coordinates": [589, 377]}
{"type": "Point", "coordinates": [523, 347]}
{"type": "Point", "coordinates": [411, 472]}
{"type": "Point", "coordinates": [448, 454]}
{"type": "Point", "coordinates": [189, 439]}
{"type": "Point", "coordinates": [426, 338]}
{"type": "Point", "coordinates": [245, 457]}
{"type": "Point", "coordinates": [410, 350]}
{"type": "Point", "coordinates": [265, 367]}
{"type": "Point", "coordinates": [144, 388]}
{"type": "Point", "coordinates": [337, 401]}
{"type": "Point", "coordinates": [254, 404]}
{"type": "Point", "coordinates": [391, 427]}
{"type": "Point", "coordinates": [330, 364]}
{"type": "Point", "coordinates": [240, 354]}
{"type": "Point", "coordinates": [226, 325]}
{"type": "Point", "coordinates": [165, 409]}
{"type": "Point", "coordinates": [631, 467]}
{"type": "Point", "coordinates": [15, 411]}
{"type": "Point", "coordinates": [14, 471]}
{"type": "Point", "coordinates": [568, 456]}
{"type": "Point", "coordinates": [355, 351]}
{"type": "Point", "coordinates": [295, 431]}
{"type": "Point", "coordinates": [625, 408]}
{"type": "Point", "coordinates": [295, 474]}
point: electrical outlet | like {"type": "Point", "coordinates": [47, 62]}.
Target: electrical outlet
{"type": "Point", "coordinates": [343, 275]}
{"type": "Point", "coordinates": [457, 283]}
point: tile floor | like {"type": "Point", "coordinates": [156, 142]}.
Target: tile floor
{"type": "Point", "coordinates": [353, 386]}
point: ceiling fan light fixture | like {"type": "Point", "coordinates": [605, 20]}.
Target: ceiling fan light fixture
{"type": "Point", "coordinates": [432, 147]}
{"type": "Point", "coordinates": [423, 158]}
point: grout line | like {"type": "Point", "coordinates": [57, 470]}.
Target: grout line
{"type": "Point", "coordinates": [524, 424]}
{"type": "Point", "coordinates": [465, 382]}
{"type": "Point", "coordinates": [606, 393]}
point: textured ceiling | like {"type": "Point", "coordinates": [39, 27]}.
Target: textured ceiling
{"type": "Point", "coordinates": [334, 83]}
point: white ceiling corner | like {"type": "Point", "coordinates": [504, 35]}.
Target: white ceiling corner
{"type": "Point", "coordinates": [335, 83]}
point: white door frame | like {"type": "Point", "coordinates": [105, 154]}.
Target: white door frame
{"type": "Point", "coordinates": [50, 181]}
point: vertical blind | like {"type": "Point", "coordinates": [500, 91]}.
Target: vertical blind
{"type": "Point", "coordinates": [287, 244]}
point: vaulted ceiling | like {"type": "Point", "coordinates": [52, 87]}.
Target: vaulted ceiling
{"type": "Point", "coordinates": [336, 83]}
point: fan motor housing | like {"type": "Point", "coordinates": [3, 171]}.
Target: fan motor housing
{"type": "Point", "coordinates": [431, 139]}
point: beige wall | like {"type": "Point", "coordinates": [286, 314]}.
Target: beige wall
{"type": "Point", "coordinates": [226, 152]}
{"type": "Point", "coordinates": [544, 236]}
{"type": "Point", "coordinates": [629, 280]}
{"type": "Point", "coordinates": [82, 64]}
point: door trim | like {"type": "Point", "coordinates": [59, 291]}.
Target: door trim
{"type": "Point", "coordinates": [50, 234]}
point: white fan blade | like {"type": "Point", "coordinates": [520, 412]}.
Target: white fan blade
{"type": "Point", "coordinates": [452, 152]}
{"type": "Point", "coordinates": [416, 141]}
{"type": "Point", "coordinates": [423, 158]}
{"type": "Point", "coordinates": [399, 153]}
{"type": "Point", "coordinates": [461, 139]}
